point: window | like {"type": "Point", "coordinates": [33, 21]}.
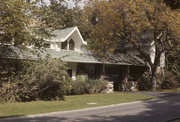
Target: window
{"type": "Point", "coordinates": [71, 45]}
{"type": "Point", "coordinates": [70, 72]}
{"type": "Point", "coordinates": [64, 45]}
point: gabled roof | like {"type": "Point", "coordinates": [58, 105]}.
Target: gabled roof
{"type": "Point", "coordinates": [64, 34]}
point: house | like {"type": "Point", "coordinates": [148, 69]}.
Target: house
{"type": "Point", "coordinates": [70, 47]}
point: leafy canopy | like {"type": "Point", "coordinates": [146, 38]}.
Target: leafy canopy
{"type": "Point", "coordinates": [135, 22]}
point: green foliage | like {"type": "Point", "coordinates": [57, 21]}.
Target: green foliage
{"type": "Point", "coordinates": [95, 86]}
{"type": "Point", "coordinates": [167, 81]}
{"type": "Point", "coordinates": [31, 21]}
{"type": "Point", "coordinates": [8, 92]}
{"type": "Point", "coordinates": [144, 83]}
{"type": "Point", "coordinates": [9, 68]}
{"type": "Point", "coordinates": [77, 87]}
{"type": "Point", "coordinates": [87, 86]}
{"type": "Point", "coordinates": [134, 22]}
{"type": "Point", "coordinates": [164, 81]}
{"type": "Point", "coordinates": [174, 4]}
{"type": "Point", "coordinates": [16, 22]}
{"type": "Point", "coordinates": [13, 22]}
{"type": "Point", "coordinates": [41, 80]}
{"type": "Point", "coordinates": [173, 64]}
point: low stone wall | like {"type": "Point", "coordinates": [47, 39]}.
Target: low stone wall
{"type": "Point", "coordinates": [110, 84]}
{"type": "Point", "coordinates": [110, 87]}
{"type": "Point", "coordinates": [130, 86]}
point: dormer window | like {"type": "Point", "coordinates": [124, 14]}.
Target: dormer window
{"type": "Point", "coordinates": [71, 45]}
{"type": "Point", "coordinates": [64, 45]}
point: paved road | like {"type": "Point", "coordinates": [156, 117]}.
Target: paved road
{"type": "Point", "coordinates": [156, 110]}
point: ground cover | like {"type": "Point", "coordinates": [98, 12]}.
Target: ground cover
{"type": "Point", "coordinates": [70, 103]}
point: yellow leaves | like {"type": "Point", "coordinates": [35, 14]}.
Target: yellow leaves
{"type": "Point", "coordinates": [134, 16]}
{"type": "Point", "coordinates": [111, 34]}
{"type": "Point", "coordinates": [111, 50]}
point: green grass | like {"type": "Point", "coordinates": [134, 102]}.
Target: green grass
{"type": "Point", "coordinates": [71, 103]}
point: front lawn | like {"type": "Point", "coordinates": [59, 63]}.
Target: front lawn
{"type": "Point", "coordinates": [71, 103]}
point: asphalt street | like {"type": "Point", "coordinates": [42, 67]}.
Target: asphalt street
{"type": "Point", "coordinates": [164, 109]}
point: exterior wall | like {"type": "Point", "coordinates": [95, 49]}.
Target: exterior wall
{"type": "Point", "coordinates": [162, 58]}
{"type": "Point", "coordinates": [78, 43]}
{"type": "Point", "coordinates": [56, 46]}
{"type": "Point", "coordinates": [151, 50]}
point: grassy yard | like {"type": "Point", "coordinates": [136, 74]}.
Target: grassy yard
{"type": "Point", "coordinates": [71, 103]}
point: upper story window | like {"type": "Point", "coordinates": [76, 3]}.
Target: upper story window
{"type": "Point", "coordinates": [64, 45]}
{"type": "Point", "coordinates": [71, 45]}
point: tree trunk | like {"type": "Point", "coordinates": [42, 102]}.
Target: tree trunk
{"type": "Point", "coordinates": [154, 78]}
{"type": "Point", "coordinates": [154, 82]}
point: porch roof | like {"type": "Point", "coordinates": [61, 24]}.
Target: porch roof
{"type": "Point", "coordinates": [69, 56]}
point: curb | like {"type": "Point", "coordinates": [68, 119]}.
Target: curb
{"type": "Point", "coordinates": [69, 111]}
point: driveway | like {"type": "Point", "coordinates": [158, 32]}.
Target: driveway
{"type": "Point", "coordinates": [163, 109]}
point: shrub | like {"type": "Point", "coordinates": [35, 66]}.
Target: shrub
{"type": "Point", "coordinates": [41, 80]}
{"type": "Point", "coordinates": [95, 86]}
{"type": "Point", "coordinates": [87, 86]}
{"type": "Point", "coordinates": [167, 81]}
{"type": "Point", "coordinates": [144, 83]}
{"type": "Point", "coordinates": [8, 92]}
{"type": "Point", "coordinates": [77, 87]}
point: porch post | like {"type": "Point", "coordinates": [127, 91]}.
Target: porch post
{"type": "Point", "coordinates": [126, 74]}
{"type": "Point", "coordinates": [104, 68]}
{"type": "Point", "coordinates": [125, 79]}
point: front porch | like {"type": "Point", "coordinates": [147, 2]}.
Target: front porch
{"type": "Point", "coordinates": [114, 73]}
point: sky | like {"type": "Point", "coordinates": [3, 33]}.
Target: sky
{"type": "Point", "coordinates": [70, 3]}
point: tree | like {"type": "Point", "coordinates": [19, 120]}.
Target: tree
{"type": "Point", "coordinates": [45, 79]}
{"type": "Point", "coordinates": [174, 4]}
{"type": "Point", "coordinates": [30, 21]}
{"type": "Point", "coordinates": [14, 21]}
{"type": "Point", "coordinates": [116, 21]}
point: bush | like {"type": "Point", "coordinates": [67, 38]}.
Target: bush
{"type": "Point", "coordinates": [87, 86]}
{"type": "Point", "coordinates": [95, 86]}
{"type": "Point", "coordinates": [41, 80]}
{"type": "Point", "coordinates": [8, 92]}
{"type": "Point", "coordinates": [77, 87]}
{"type": "Point", "coordinates": [144, 83]}
{"type": "Point", "coordinates": [164, 81]}
{"type": "Point", "coordinates": [167, 81]}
